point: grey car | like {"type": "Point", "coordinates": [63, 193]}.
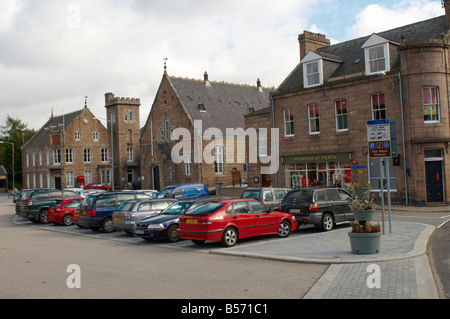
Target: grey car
{"type": "Point", "coordinates": [132, 211]}
{"type": "Point", "coordinates": [269, 196]}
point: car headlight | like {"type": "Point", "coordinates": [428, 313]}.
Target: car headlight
{"type": "Point", "coordinates": [151, 226]}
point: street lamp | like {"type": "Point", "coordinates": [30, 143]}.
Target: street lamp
{"type": "Point", "coordinates": [112, 146]}
{"type": "Point", "coordinates": [2, 142]}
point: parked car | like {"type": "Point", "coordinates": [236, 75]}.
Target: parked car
{"type": "Point", "coordinates": [98, 186]}
{"type": "Point", "coordinates": [229, 220]}
{"type": "Point", "coordinates": [165, 225]}
{"type": "Point", "coordinates": [323, 207]}
{"type": "Point", "coordinates": [184, 191]}
{"type": "Point", "coordinates": [76, 214]}
{"type": "Point", "coordinates": [22, 200]}
{"type": "Point", "coordinates": [269, 196]}
{"type": "Point", "coordinates": [86, 192]}
{"type": "Point", "coordinates": [97, 210]}
{"type": "Point", "coordinates": [39, 200]}
{"type": "Point", "coordinates": [62, 211]}
{"type": "Point", "coordinates": [132, 211]}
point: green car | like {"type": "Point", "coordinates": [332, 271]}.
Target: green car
{"type": "Point", "coordinates": [39, 200]}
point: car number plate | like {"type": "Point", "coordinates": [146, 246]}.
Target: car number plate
{"type": "Point", "coordinates": [191, 221]}
{"type": "Point", "coordinates": [83, 212]}
{"type": "Point", "coordinates": [139, 232]}
{"type": "Point", "coordinates": [117, 218]}
{"type": "Point", "coordinates": [294, 210]}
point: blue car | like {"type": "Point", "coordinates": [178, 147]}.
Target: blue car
{"type": "Point", "coordinates": [184, 191]}
{"type": "Point", "coordinates": [96, 210]}
{"type": "Point", "coordinates": [165, 225]}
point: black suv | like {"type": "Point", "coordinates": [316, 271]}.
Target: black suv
{"type": "Point", "coordinates": [323, 207]}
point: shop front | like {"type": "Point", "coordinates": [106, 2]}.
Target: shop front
{"type": "Point", "coordinates": [327, 169]}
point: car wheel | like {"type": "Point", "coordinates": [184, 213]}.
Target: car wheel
{"type": "Point", "coordinates": [327, 222]}
{"type": "Point", "coordinates": [67, 220]}
{"type": "Point", "coordinates": [172, 234]}
{"type": "Point", "coordinates": [198, 242]}
{"type": "Point", "coordinates": [229, 237]}
{"type": "Point", "coordinates": [284, 230]}
{"type": "Point", "coordinates": [42, 218]}
{"type": "Point", "coordinates": [107, 226]}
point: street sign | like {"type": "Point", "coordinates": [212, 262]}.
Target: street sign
{"type": "Point", "coordinates": [379, 138]}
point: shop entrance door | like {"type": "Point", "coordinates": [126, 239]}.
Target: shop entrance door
{"type": "Point", "coordinates": [435, 189]}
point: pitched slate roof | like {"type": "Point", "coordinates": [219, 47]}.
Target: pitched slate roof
{"type": "Point", "coordinates": [41, 138]}
{"type": "Point", "coordinates": [352, 53]}
{"type": "Point", "coordinates": [218, 104]}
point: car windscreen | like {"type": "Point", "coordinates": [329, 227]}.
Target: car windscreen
{"type": "Point", "coordinates": [206, 209]}
{"type": "Point", "coordinates": [177, 208]}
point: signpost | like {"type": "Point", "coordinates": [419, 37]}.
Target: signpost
{"type": "Point", "coordinates": [379, 140]}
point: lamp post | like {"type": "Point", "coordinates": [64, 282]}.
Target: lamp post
{"type": "Point", "coordinates": [2, 142]}
{"type": "Point", "coordinates": [112, 146]}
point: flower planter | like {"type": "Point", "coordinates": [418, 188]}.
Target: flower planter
{"type": "Point", "coordinates": [362, 192]}
{"type": "Point", "coordinates": [363, 215]}
{"type": "Point", "coordinates": [365, 243]}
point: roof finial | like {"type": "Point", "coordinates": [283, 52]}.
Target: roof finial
{"type": "Point", "coordinates": [52, 112]}
{"type": "Point", "coordinates": [85, 101]}
{"type": "Point", "coordinates": [165, 64]}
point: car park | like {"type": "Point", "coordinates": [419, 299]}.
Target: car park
{"type": "Point", "coordinates": [62, 211]}
{"type": "Point", "coordinates": [230, 220]}
{"type": "Point", "coordinates": [96, 210]}
{"type": "Point", "coordinates": [98, 186]}
{"type": "Point", "coordinates": [184, 191]}
{"type": "Point", "coordinates": [132, 211]}
{"type": "Point", "coordinates": [269, 196]}
{"type": "Point", "coordinates": [165, 225]}
{"type": "Point", "coordinates": [37, 202]}
{"type": "Point", "coordinates": [322, 207]}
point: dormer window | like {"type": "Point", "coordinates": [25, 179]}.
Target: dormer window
{"type": "Point", "coordinates": [376, 55]}
{"type": "Point", "coordinates": [312, 70]}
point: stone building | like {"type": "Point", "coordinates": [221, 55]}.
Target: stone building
{"type": "Point", "coordinates": [323, 106]}
{"type": "Point", "coordinates": [75, 149]}
{"type": "Point", "coordinates": [203, 110]}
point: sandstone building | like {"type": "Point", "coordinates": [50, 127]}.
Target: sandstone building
{"type": "Point", "coordinates": [323, 106]}
{"type": "Point", "coordinates": [75, 148]}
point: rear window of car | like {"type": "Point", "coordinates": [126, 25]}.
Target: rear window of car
{"type": "Point", "coordinates": [300, 196]}
{"type": "Point", "coordinates": [206, 209]}
{"type": "Point", "coordinates": [279, 194]}
{"type": "Point", "coordinates": [254, 194]}
{"type": "Point", "coordinates": [126, 207]}
{"type": "Point", "coordinates": [106, 201]}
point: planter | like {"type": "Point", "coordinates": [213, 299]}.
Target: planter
{"type": "Point", "coordinates": [365, 243]}
{"type": "Point", "coordinates": [362, 192]}
{"type": "Point", "coordinates": [363, 215]}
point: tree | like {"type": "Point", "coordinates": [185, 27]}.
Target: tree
{"type": "Point", "coordinates": [16, 132]}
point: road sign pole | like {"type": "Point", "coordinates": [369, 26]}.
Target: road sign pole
{"type": "Point", "coordinates": [389, 195]}
{"type": "Point", "coordinates": [381, 191]}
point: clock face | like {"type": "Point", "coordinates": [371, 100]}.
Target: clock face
{"type": "Point", "coordinates": [86, 120]}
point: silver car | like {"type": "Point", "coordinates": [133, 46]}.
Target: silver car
{"type": "Point", "coordinates": [132, 211]}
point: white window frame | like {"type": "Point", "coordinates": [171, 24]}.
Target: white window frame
{"type": "Point", "coordinates": [187, 166]}
{"type": "Point", "coordinates": [105, 154]}
{"type": "Point", "coordinates": [340, 116]}
{"type": "Point", "coordinates": [95, 135]}
{"type": "Point", "coordinates": [430, 105]}
{"type": "Point", "coordinates": [313, 130]}
{"type": "Point", "coordinates": [130, 154]}
{"type": "Point", "coordinates": [77, 136]}
{"type": "Point", "coordinates": [262, 142]}
{"type": "Point", "coordinates": [57, 156]}
{"type": "Point", "coordinates": [369, 61]}
{"type": "Point", "coordinates": [70, 179]}
{"type": "Point", "coordinates": [380, 109]}
{"type": "Point", "coordinates": [69, 155]}
{"type": "Point", "coordinates": [318, 73]}
{"type": "Point", "coordinates": [288, 123]}
{"type": "Point", "coordinates": [219, 164]}
{"type": "Point", "coordinates": [87, 155]}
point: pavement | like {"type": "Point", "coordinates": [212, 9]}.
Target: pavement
{"type": "Point", "coordinates": [400, 270]}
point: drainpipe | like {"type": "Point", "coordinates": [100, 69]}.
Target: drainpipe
{"type": "Point", "coordinates": [273, 126]}
{"type": "Point", "coordinates": [403, 138]}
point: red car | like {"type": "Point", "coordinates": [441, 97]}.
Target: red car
{"type": "Point", "coordinates": [63, 210]}
{"type": "Point", "coordinates": [98, 186]}
{"type": "Point", "coordinates": [228, 220]}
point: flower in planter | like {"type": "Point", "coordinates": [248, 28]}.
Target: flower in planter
{"type": "Point", "coordinates": [365, 228]}
{"type": "Point", "coordinates": [358, 201]}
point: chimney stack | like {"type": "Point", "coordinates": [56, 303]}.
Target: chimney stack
{"type": "Point", "coordinates": [446, 5]}
{"type": "Point", "coordinates": [309, 41]}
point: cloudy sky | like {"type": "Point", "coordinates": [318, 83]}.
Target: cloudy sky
{"type": "Point", "coordinates": [54, 53]}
